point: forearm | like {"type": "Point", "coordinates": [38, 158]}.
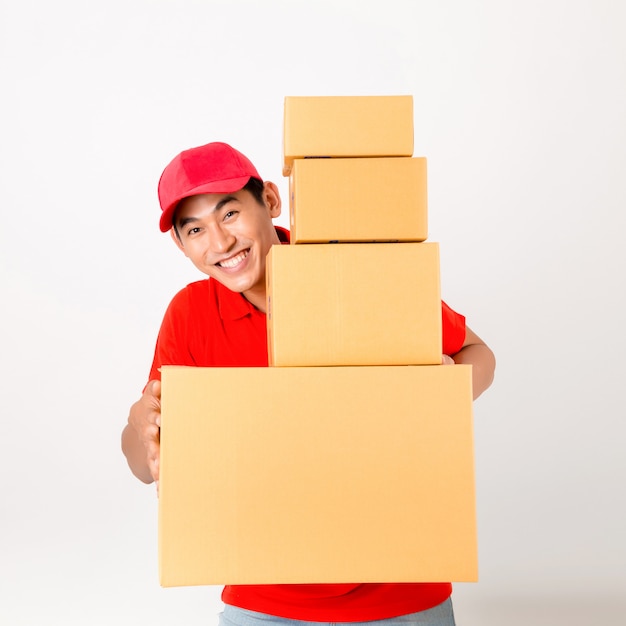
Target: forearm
{"type": "Point", "coordinates": [136, 454]}
{"type": "Point", "coordinates": [483, 363]}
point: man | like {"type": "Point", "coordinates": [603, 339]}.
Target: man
{"type": "Point", "coordinates": [219, 213]}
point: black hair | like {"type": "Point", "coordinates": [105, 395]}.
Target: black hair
{"type": "Point", "coordinates": [254, 185]}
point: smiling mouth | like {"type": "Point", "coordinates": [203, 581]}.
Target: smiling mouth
{"type": "Point", "coordinates": [233, 261]}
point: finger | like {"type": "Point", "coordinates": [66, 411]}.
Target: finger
{"type": "Point", "coordinates": [154, 469]}
{"type": "Point", "coordinates": [154, 388]}
{"type": "Point", "coordinates": [153, 449]}
{"type": "Point", "coordinates": [149, 434]}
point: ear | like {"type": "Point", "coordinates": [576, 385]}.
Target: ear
{"type": "Point", "coordinates": [177, 241]}
{"type": "Point", "coordinates": [272, 199]}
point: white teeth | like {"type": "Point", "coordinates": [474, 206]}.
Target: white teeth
{"type": "Point", "coordinates": [233, 261]}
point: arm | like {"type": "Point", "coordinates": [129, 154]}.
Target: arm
{"type": "Point", "coordinates": [476, 353]}
{"type": "Point", "coordinates": [140, 437]}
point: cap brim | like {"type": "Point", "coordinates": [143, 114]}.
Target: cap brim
{"type": "Point", "coordinates": [229, 185]}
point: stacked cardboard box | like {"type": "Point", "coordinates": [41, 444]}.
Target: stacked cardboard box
{"type": "Point", "coordinates": [351, 458]}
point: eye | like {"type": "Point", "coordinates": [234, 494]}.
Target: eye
{"type": "Point", "coordinates": [229, 214]}
{"type": "Point", "coordinates": [193, 231]}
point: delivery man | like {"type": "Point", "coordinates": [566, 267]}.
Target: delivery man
{"type": "Point", "coordinates": [219, 212]}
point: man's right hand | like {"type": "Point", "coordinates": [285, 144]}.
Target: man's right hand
{"type": "Point", "coordinates": [140, 439]}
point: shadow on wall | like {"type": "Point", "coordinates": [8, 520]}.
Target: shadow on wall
{"type": "Point", "coordinates": [557, 610]}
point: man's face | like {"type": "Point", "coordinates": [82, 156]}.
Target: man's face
{"type": "Point", "coordinates": [228, 236]}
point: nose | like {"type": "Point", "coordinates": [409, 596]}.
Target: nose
{"type": "Point", "coordinates": [221, 239]}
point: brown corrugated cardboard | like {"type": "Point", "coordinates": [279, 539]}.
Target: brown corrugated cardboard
{"type": "Point", "coordinates": [354, 304]}
{"type": "Point", "coordinates": [316, 475]}
{"type": "Point", "coordinates": [346, 126]}
{"type": "Point", "coordinates": [374, 199]}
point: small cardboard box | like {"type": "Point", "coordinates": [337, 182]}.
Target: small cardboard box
{"type": "Point", "coordinates": [316, 475]}
{"type": "Point", "coordinates": [369, 199]}
{"type": "Point", "coordinates": [346, 126]}
{"type": "Point", "coordinates": [354, 304]}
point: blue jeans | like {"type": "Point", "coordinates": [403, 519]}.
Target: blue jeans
{"type": "Point", "coordinates": [440, 615]}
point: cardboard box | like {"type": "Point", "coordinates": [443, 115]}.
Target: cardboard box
{"type": "Point", "coordinates": [346, 126]}
{"type": "Point", "coordinates": [316, 475]}
{"type": "Point", "coordinates": [354, 304]}
{"type": "Point", "coordinates": [375, 199]}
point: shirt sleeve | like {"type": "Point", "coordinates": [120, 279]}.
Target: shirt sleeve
{"type": "Point", "coordinates": [172, 345]}
{"type": "Point", "coordinates": [453, 330]}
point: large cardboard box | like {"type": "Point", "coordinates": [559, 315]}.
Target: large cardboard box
{"type": "Point", "coordinates": [316, 475]}
{"type": "Point", "coordinates": [354, 304]}
{"type": "Point", "coordinates": [346, 126]}
{"type": "Point", "coordinates": [371, 199]}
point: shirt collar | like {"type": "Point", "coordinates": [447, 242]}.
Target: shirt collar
{"type": "Point", "coordinates": [232, 305]}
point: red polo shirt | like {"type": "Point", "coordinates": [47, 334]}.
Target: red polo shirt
{"type": "Point", "coordinates": [207, 325]}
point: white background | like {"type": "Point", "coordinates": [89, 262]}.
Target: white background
{"type": "Point", "coordinates": [520, 108]}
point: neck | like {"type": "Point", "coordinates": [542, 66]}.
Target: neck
{"type": "Point", "coordinates": [256, 297]}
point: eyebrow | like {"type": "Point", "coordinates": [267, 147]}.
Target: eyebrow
{"type": "Point", "coordinates": [188, 220]}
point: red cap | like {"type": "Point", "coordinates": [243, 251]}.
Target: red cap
{"type": "Point", "coordinates": [213, 168]}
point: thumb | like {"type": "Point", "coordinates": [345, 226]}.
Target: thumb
{"type": "Point", "coordinates": [153, 388]}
